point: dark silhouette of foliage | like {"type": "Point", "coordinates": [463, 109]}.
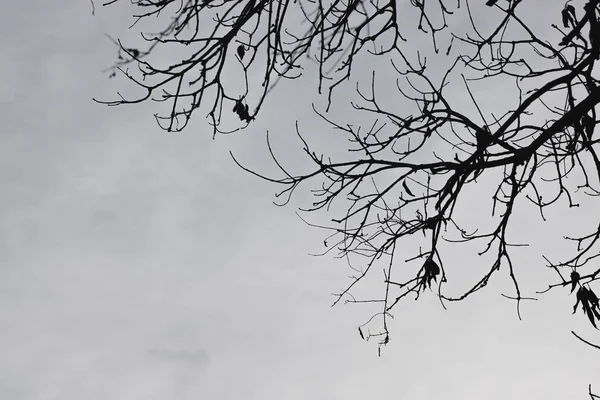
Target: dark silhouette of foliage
{"type": "Point", "coordinates": [241, 110]}
{"type": "Point", "coordinates": [589, 304]}
{"type": "Point", "coordinates": [410, 170]}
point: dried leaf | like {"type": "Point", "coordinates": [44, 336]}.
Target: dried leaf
{"type": "Point", "coordinates": [241, 110]}
{"type": "Point", "coordinates": [588, 311]}
{"type": "Point", "coordinates": [432, 270]}
{"type": "Point", "coordinates": [588, 125]}
{"type": "Point", "coordinates": [432, 267]}
{"type": "Point", "coordinates": [574, 280]}
{"type": "Point", "coordinates": [241, 51]}
{"type": "Point", "coordinates": [571, 10]}
{"type": "Point", "coordinates": [238, 107]}
{"type": "Point", "coordinates": [566, 18]}
{"type": "Point", "coordinates": [593, 299]}
{"type": "Point", "coordinates": [580, 298]}
{"type": "Point", "coordinates": [483, 138]}
{"type": "Point", "coordinates": [405, 186]}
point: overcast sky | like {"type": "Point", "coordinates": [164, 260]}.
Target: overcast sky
{"type": "Point", "coordinates": [136, 264]}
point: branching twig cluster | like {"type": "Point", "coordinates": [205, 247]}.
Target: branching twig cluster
{"type": "Point", "coordinates": [260, 33]}
{"type": "Point", "coordinates": [521, 154]}
{"type": "Point", "coordinates": [409, 171]}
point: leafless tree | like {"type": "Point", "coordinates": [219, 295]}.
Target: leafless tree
{"type": "Point", "coordinates": [409, 172]}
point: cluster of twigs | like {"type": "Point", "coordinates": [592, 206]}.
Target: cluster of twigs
{"type": "Point", "coordinates": [421, 196]}
{"type": "Point", "coordinates": [249, 33]}
{"type": "Point", "coordinates": [401, 183]}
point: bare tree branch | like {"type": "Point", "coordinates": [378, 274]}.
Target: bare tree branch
{"type": "Point", "coordinates": [399, 199]}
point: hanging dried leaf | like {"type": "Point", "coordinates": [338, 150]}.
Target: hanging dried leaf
{"type": "Point", "coordinates": [589, 304]}
{"type": "Point", "coordinates": [405, 186]}
{"type": "Point", "coordinates": [241, 110]}
{"type": "Point", "coordinates": [432, 270]}
{"type": "Point", "coordinates": [238, 107]}
{"type": "Point", "coordinates": [566, 18]}
{"type": "Point", "coordinates": [574, 280]}
{"type": "Point", "coordinates": [241, 51]}
{"type": "Point", "coordinates": [580, 298]}
{"type": "Point", "coordinates": [588, 125]}
{"type": "Point", "coordinates": [571, 10]}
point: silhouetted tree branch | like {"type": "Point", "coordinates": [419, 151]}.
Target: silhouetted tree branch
{"type": "Point", "coordinates": [409, 173]}
{"type": "Point", "coordinates": [213, 29]}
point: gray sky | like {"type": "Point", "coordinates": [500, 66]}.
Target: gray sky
{"type": "Point", "coordinates": [136, 264]}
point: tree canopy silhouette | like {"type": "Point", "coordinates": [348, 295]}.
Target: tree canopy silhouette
{"type": "Point", "coordinates": [413, 170]}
